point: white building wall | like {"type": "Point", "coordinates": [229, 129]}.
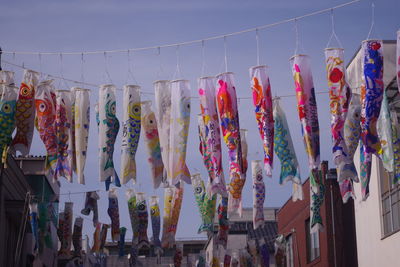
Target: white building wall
{"type": "Point", "coordinates": [372, 250]}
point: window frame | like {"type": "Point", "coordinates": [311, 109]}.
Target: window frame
{"type": "Point", "coordinates": [312, 239]}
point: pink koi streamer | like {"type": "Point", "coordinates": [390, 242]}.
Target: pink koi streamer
{"type": "Point", "coordinates": [262, 101]}
{"type": "Point", "coordinates": [63, 121]}
{"type": "Point", "coordinates": [258, 193]}
{"type": "Point", "coordinates": [211, 136]}
{"type": "Point", "coordinates": [228, 112]}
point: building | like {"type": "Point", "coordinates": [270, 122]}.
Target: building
{"type": "Point", "coordinates": [378, 217]}
{"type": "Point", "coordinates": [241, 231]}
{"type": "Point", "coordinates": [335, 246]}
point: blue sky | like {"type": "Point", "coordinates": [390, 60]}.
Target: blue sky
{"type": "Point", "coordinates": [104, 25]}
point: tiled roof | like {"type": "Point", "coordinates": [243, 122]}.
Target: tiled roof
{"type": "Point", "coordinates": [268, 231]}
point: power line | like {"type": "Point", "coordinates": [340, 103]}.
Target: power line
{"type": "Point", "coordinates": [221, 36]}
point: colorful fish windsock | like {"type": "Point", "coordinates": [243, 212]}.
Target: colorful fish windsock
{"type": "Point", "coordinates": [212, 136]}
{"type": "Point", "coordinates": [162, 90]}
{"type": "Point", "coordinates": [178, 255]}
{"type": "Point", "coordinates": [228, 112]}
{"type": "Point", "coordinates": [262, 101]}
{"type": "Point", "coordinates": [245, 148]}
{"type": "Point", "coordinates": [143, 220]}
{"type": "Point", "coordinates": [96, 238]}
{"type": "Point", "coordinates": [317, 193]}
{"type": "Point", "coordinates": [33, 218]}
{"type": "Point", "coordinates": [130, 132]}
{"type": "Point", "coordinates": [396, 146]}
{"type": "Point", "coordinates": [398, 59]}
{"type": "Point", "coordinates": [25, 115]}
{"type": "Point", "coordinates": [307, 107]}
{"type": "Point", "coordinates": [64, 135]}
{"type": "Point", "coordinates": [155, 221]}
{"type": "Point", "coordinates": [223, 222]}
{"type": "Point", "coordinates": [103, 235]}
{"type": "Point", "coordinates": [205, 203]}
{"type": "Point", "coordinates": [371, 95]}
{"type": "Point", "coordinates": [8, 100]}
{"type": "Point", "coordinates": [60, 229]}
{"type": "Point", "coordinates": [152, 140]}
{"type": "Point", "coordinates": [384, 129]}
{"type": "Point", "coordinates": [7, 77]}
{"type": "Point", "coordinates": [168, 197]}
{"type": "Point", "coordinates": [77, 236]}
{"type": "Point", "coordinates": [91, 206]}
{"type": "Point", "coordinates": [121, 242]}
{"type": "Point", "coordinates": [81, 118]}
{"type": "Point", "coordinates": [108, 131]}
{"type": "Point", "coordinates": [339, 95]}
{"type": "Point", "coordinates": [258, 193]}
{"type": "Point", "coordinates": [113, 212]}
{"type": "Point", "coordinates": [175, 212]}
{"type": "Point", "coordinates": [283, 146]}
{"type": "Point", "coordinates": [131, 196]}
{"type": "Point", "coordinates": [66, 231]}
{"type": "Point", "coordinates": [365, 173]}
{"type": "Point", "coordinates": [180, 119]}
{"type": "Point", "coordinates": [73, 138]}
{"type": "Point", "coordinates": [45, 121]}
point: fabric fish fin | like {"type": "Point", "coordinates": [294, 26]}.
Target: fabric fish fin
{"type": "Point", "coordinates": [206, 227]}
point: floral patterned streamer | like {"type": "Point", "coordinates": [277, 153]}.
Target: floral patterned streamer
{"type": "Point", "coordinates": [228, 112]}
{"type": "Point", "coordinates": [152, 141]}
{"type": "Point", "coordinates": [211, 136]}
{"type": "Point", "coordinates": [384, 130]}
{"type": "Point", "coordinates": [108, 131]}
{"type": "Point", "coordinates": [45, 122]}
{"type": "Point", "coordinates": [371, 95]}
{"type": "Point", "coordinates": [162, 90]}
{"type": "Point", "coordinates": [91, 206]}
{"type": "Point", "coordinates": [81, 116]}
{"type": "Point", "coordinates": [143, 220]}
{"type": "Point", "coordinates": [258, 193]}
{"type": "Point", "coordinates": [339, 95]}
{"type": "Point", "coordinates": [8, 102]}
{"type": "Point", "coordinates": [223, 222]}
{"type": "Point", "coordinates": [205, 204]}
{"type": "Point", "coordinates": [130, 132]}
{"type": "Point", "coordinates": [284, 150]}
{"type": "Point", "coordinates": [180, 119]}
{"type": "Point", "coordinates": [113, 212]}
{"type": "Point", "coordinates": [26, 112]}
{"type": "Point", "coordinates": [262, 101]}
{"type": "Point", "coordinates": [168, 196]}
{"type": "Point", "coordinates": [155, 221]}
{"type": "Point", "coordinates": [64, 135]}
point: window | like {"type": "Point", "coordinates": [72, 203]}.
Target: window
{"type": "Point", "coordinates": [390, 201]}
{"type": "Point", "coordinates": [312, 240]}
{"type": "Point", "coordinates": [289, 251]}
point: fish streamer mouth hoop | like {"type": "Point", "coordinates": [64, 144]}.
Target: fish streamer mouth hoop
{"type": "Point", "coordinates": [220, 74]}
{"type": "Point", "coordinates": [334, 48]}
{"type": "Point", "coordinates": [179, 80]}
{"type": "Point", "coordinates": [161, 81]}
{"type": "Point", "coordinates": [80, 89]}
{"type": "Point", "coordinates": [258, 67]}
{"type": "Point", "coordinates": [371, 40]}
{"type": "Point", "coordinates": [298, 55]}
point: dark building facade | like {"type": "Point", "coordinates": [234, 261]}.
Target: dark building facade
{"type": "Point", "coordinates": [335, 246]}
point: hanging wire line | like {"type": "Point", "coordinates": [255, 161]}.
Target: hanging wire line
{"type": "Point", "coordinates": [130, 73]}
{"type": "Point", "coordinates": [106, 68]}
{"type": "Point", "coordinates": [333, 34]}
{"type": "Point", "coordinates": [194, 41]}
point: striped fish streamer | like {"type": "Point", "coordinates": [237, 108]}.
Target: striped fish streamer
{"type": "Point", "coordinates": [63, 123]}
{"type": "Point", "coordinates": [81, 122]}
{"type": "Point", "coordinates": [77, 236]}
{"type": "Point", "coordinates": [7, 77]}
{"type": "Point", "coordinates": [180, 119]}
{"type": "Point", "coordinates": [284, 150]}
{"type": "Point", "coordinates": [45, 122]}
{"type": "Point", "coordinates": [228, 112]}
{"type": "Point", "coordinates": [162, 90]}
{"type": "Point", "coordinates": [384, 129]}
{"type": "Point", "coordinates": [398, 59]}
{"type": "Point", "coordinates": [396, 147]}
{"type": "Point", "coordinates": [175, 212]}
{"type": "Point", "coordinates": [143, 220]}
{"type": "Point", "coordinates": [25, 115]}
{"type": "Point", "coordinates": [155, 223]}
{"type": "Point", "coordinates": [372, 89]}
{"type": "Point", "coordinates": [108, 131]}
{"type": "Point", "coordinates": [168, 197]}
{"type": "Point", "coordinates": [212, 136]}
{"type": "Point", "coordinates": [8, 102]}
{"type": "Point", "coordinates": [130, 132]}
{"type": "Point", "coordinates": [223, 222]}
{"type": "Point", "coordinates": [113, 212]}
{"type": "Point", "coordinates": [131, 197]}
{"type": "Point", "coordinates": [258, 193]}
{"type": "Point", "coordinates": [152, 141]}
{"type": "Point", "coordinates": [308, 115]}
{"type": "Point", "coordinates": [96, 239]}
{"type": "Point", "coordinates": [206, 205]}
{"type": "Point", "coordinates": [262, 101]}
